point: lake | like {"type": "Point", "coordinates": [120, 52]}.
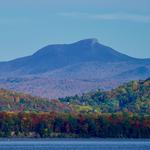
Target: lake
{"type": "Point", "coordinates": [75, 144]}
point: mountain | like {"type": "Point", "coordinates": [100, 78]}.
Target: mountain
{"type": "Point", "coordinates": [68, 69]}
{"type": "Point", "coordinates": [57, 56]}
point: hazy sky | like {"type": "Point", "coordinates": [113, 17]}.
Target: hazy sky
{"type": "Point", "coordinates": [27, 25]}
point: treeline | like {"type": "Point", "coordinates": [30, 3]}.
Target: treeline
{"type": "Point", "coordinates": [118, 125]}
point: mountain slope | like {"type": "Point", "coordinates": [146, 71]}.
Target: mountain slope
{"type": "Point", "coordinates": [141, 72]}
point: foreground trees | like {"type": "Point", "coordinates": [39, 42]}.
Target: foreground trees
{"type": "Point", "coordinates": [119, 125]}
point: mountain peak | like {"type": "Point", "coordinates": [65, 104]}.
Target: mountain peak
{"type": "Point", "coordinates": [90, 41]}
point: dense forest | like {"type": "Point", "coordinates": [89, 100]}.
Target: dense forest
{"type": "Point", "coordinates": [123, 112]}
{"type": "Point", "coordinates": [119, 125]}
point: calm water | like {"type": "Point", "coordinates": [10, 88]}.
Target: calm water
{"type": "Point", "coordinates": [75, 145]}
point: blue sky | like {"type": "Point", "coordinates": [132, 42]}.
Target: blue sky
{"type": "Point", "coordinates": [27, 25]}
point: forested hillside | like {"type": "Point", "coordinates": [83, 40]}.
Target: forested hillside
{"type": "Point", "coordinates": [131, 97]}
{"type": "Point", "coordinates": [19, 102]}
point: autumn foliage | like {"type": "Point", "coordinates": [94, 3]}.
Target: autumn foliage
{"type": "Point", "coordinates": [123, 112]}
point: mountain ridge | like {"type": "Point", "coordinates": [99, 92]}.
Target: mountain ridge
{"type": "Point", "coordinates": [56, 56]}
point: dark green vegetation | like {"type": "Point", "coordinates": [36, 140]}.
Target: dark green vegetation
{"type": "Point", "coordinates": [121, 113]}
